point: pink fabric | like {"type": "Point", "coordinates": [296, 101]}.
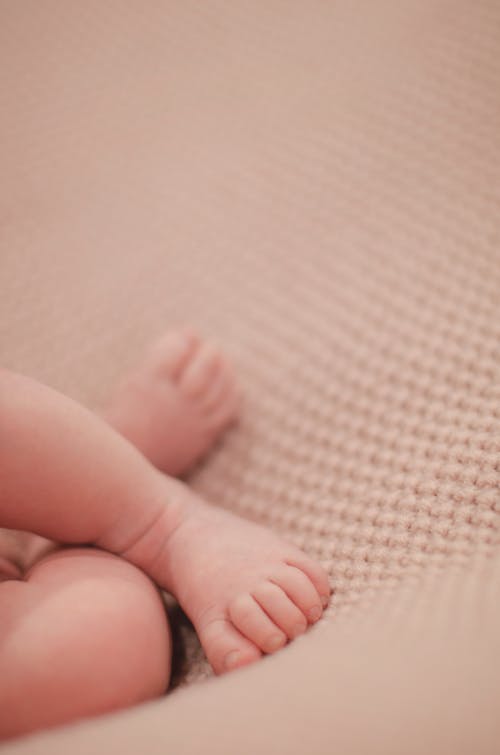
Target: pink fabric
{"type": "Point", "coordinates": [316, 184]}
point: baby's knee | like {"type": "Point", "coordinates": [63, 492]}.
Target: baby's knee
{"type": "Point", "coordinates": [127, 639]}
{"type": "Point", "coordinates": [97, 640]}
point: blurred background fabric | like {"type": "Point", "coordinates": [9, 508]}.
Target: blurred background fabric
{"type": "Point", "coordinates": [317, 186]}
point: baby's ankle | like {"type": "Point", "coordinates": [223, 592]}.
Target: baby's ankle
{"type": "Point", "coordinates": [144, 543]}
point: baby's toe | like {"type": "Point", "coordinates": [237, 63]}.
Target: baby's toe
{"type": "Point", "coordinates": [221, 387]}
{"type": "Point", "coordinates": [300, 590]}
{"type": "Point", "coordinates": [280, 609]}
{"type": "Point", "coordinates": [316, 574]}
{"type": "Point", "coordinates": [223, 413]}
{"type": "Point", "coordinates": [249, 618]}
{"type": "Point", "coordinates": [200, 371]}
{"type": "Point", "coordinates": [172, 352]}
{"type": "Point", "coordinates": [225, 648]}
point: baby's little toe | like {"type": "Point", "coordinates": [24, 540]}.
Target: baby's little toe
{"type": "Point", "coordinates": [249, 618]}
{"type": "Point", "coordinates": [225, 648]}
{"type": "Point", "coordinates": [172, 352]}
{"type": "Point", "coordinates": [199, 371]}
{"type": "Point", "coordinates": [301, 591]}
{"type": "Point", "coordinates": [315, 573]}
{"type": "Point", "coordinates": [280, 609]}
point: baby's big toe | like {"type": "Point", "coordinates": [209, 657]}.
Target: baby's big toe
{"type": "Point", "coordinates": [225, 648]}
{"type": "Point", "coordinates": [200, 371]}
{"type": "Point", "coordinates": [208, 381]}
{"type": "Point", "coordinates": [173, 351]}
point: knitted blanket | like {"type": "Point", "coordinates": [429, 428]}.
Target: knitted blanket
{"type": "Point", "coordinates": [317, 185]}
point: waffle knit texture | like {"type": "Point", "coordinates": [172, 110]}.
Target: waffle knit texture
{"type": "Point", "coordinates": [315, 184]}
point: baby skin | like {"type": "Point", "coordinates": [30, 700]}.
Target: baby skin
{"type": "Point", "coordinates": [83, 630]}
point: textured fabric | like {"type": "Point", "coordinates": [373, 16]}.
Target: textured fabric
{"type": "Point", "coordinates": [317, 184]}
{"type": "Point", "coordinates": [414, 674]}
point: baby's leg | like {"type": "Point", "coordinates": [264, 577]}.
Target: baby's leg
{"type": "Point", "coordinates": [176, 402]}
{"type": "Point", "coordinates": [67, 476]}
{"type": "Point", "coordinates": [85, 633]}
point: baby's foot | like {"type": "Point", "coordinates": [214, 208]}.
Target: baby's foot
{"type": "Point", "coordinates": [246, 590]}
{"type": "Point", "coordinates": [177, 402]}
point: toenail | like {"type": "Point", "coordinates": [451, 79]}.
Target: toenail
{"type": "Point", "coordinates": [275, 642]}
{"type": "Point", "coordinates": [232, 659]}
{"type": "Point", "coordinates": [314, 613]}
